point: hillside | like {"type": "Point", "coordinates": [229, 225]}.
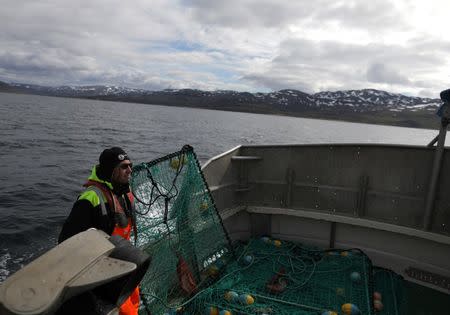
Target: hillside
{"type": "Point", "coordinates": [367, 105]}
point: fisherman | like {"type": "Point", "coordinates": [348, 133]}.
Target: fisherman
{"type": "Point", "coordinates": [106, 204]}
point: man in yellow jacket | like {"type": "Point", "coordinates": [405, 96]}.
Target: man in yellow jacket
{"type": "Point", "coordinates": [107, 204]}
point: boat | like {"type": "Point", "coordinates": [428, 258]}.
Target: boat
{"type": "Point", "coordinates": [293, 229]}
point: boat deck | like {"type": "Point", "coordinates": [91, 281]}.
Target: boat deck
{"type": "Point", "coordinates": [371, 197]}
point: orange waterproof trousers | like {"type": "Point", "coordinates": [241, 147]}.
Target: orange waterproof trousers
{"type": "Point", "coordinates": [131, 305]}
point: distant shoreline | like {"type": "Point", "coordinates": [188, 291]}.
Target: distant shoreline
{"type": "Point", "coordinates": [420, 119]}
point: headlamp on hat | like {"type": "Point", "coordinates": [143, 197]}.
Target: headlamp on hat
{"type": "Point", "coordinates": [109, 159]}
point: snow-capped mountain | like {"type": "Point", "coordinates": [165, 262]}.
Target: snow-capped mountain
{"type": "Point", "coordinates": [75, 91]}
{"type": "Point", "coordinates": [298, 103]}
{"type": "Point", "coordinates": [375, 100]}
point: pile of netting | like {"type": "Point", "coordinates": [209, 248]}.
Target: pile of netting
{"type": "Point", "coordinates": [196, 270]}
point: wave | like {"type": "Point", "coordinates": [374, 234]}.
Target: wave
{"type": "Point", "coordinates": [4, 272]}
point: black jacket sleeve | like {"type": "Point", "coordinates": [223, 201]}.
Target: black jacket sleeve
{"type": "Point", "coordinates": [81, 218]}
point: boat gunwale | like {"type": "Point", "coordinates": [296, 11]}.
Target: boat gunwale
{"type": "Point", "coordinates": [214, 158]}
{"type": "Point", "coordinates": [393, 145]}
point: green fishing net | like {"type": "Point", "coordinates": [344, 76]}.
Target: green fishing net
{"type": "Point", "coordinates": [178, 226]}
{"type": "Point", "coordinates": [389, 291]}
{"type": "Point", "coordinates": [271, 276]}
{"type": "Point", "coordinates": [195, 268]}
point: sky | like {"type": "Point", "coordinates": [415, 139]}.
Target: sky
{"type": "Point", "coordinates": [398, 46]}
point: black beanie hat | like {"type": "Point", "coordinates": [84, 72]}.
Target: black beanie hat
{"type": "Point", "coordinates": [109, 159]}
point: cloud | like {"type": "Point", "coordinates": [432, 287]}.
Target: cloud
{"type": "Point", "coordinates": [246, 45]}
{"type": "Point", "coordinates": [370, 16]}
{"type": "Point", "coordinates": [251, 13]}
{"type": "Point", "coordinates": [278, 14]}
{"type": "Point", "coordinates": [331, 65]}
{"type": "Point", "coordinates": [379, 73]}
